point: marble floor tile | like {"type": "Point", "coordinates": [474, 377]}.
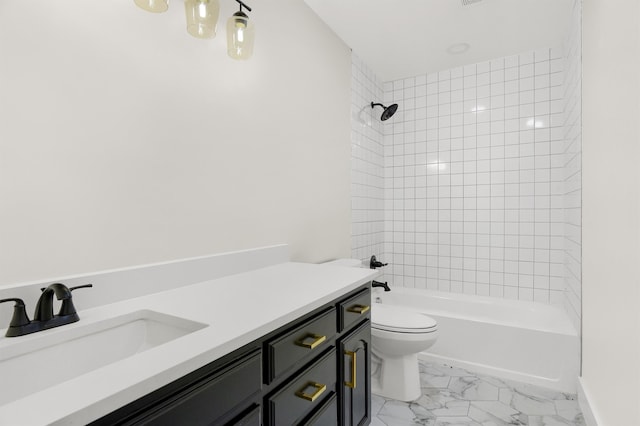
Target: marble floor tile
{"type": "Point", "coordinates": [471, 388]}
{"type": "Point", "coordinates": [456, 397]}
{"type": "Point", "coordinates": [396, 413]}
{"type": "Point", "coordinates": [456, 421]}
{"type": "Point", "coordinates": [434, 379]}
{"type": "Point", "coordinates": [550, 421]}
{"type": "Point", "coordinates": [532, 405]}
{"type": "Point", "coordinates": [396, 409]}
{"type": "Point", "coordinates": [494, 411]}
{"type": "Point", "coordinates": [447, 369]}
{"type": "Point", "coordinates": [375, 421]}
{"type": "Point", "coordinates": [433, 401]}
{"type": "Point", "coordinates": [452, 408]}
{"type": "Point", "coordinates": [376, 404]}
{"type": "Point", "coordinates": [568, 409]}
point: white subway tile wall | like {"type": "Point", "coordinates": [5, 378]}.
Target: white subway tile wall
{"type": "Point", "coordinates": [474, 180]}
{"type": "Point", "coordinates": [474, 186]}
{"type": "Point", "coordinates": [573, 167]}
{"type": "Point", "coordinates": [367, 167]}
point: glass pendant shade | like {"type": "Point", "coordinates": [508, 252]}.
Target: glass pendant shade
{"type": "Point", "coordinates": [240, 36]}
{"type": "Point", "coordinates": [156, 6]}
{"type": "Point", "coordinates": [202, 17]}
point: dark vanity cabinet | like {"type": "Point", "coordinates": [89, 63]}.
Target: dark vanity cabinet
{"type": "Point", "coordinates": [356, 376]}
{"type": "Point", "coordinates": [313, 371]}
{"type": "Point", "coordinates": [223, 392]}
{"type": "Point", "coordinates": [355, 367]}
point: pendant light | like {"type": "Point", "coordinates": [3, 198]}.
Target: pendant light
{"type": "Point", "coordinates": [202, 17]}
{"type": "Point", "coordinates": [240, 34]}
{"type": "Point", "coordinates": [202, 20]}
{"type": "Point", "coordinates": [156, 6]}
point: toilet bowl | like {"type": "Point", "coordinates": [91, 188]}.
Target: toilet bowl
{"type": "Point", "coordinates": [397, 336]}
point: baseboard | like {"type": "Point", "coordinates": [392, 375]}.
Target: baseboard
{"type": "Point", "coordinates": [588, 412]}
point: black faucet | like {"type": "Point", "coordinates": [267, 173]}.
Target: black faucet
{"type": "Point", "coordinates": [373, 263]}
{"type": "Point", "coordinates": [44, 318]}
{"type": "Point", "coordinates": [44, 307]}
{"type": "Point", "coordinates": [379, 284]}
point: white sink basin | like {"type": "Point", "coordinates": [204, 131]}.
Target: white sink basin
{"type": "Point", "coordinates": [60, 354]}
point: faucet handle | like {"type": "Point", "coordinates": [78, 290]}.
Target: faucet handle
{"type": "Point", "coordinates": [67, 307]}
{"type": "Point", "coordinates": [374, 263]}
{"type": "Point", "coordinates": [19, 317]}
{"type": "Point", "coordinates": [81, 286]}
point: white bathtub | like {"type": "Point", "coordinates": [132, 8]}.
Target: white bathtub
{"type": "Point", "coordinates": [524, 341]}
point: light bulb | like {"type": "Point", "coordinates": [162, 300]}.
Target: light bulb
{"type": "Point", "coordinates": [202, 10]}
{"type": "Point", "coordinates": [156, 6]}
{"type": "Point", "coordinates": [240, 36]}
{"type": "Point", "coordinates": [202, 17]}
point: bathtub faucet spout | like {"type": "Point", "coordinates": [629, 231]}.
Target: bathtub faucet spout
{"type": "Point", "coordinates": [379, 284]}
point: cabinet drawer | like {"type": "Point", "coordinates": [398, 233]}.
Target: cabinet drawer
{"type": "Point", "coordinates": [251, 418]}
{"type": "Point", "coordinates": [326, 415]}
{"type": "Point", "coordinates": [211, 398]}
{"type": "Point", "coordinates": [354, 309]}
{"type": "Point", "coordinates": [304, 392]}
{"type": "Point", "coordinates": [300, 344]}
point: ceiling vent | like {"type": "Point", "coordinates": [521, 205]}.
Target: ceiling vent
{"type": "Point", "coordinates": [468, 2]}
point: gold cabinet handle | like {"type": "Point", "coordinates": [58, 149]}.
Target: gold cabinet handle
{"type": "Point", "coordinates": [317, 339]}
{"type": "Point", "coordinates": [319, 390]}
{"type": "Point", "coordinates": [352, 384]}
{"type": "Point", "coordinates": [359, 309]}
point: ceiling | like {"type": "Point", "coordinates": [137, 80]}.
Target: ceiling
{"type": "Point", "coordinates": [402, 38]}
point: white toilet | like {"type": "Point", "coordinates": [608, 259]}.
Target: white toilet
{"type": "Point", "coordinates": [397, 337]}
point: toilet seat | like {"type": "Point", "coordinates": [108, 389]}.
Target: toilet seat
{"type": "Point", "coordinates": [400, 321]}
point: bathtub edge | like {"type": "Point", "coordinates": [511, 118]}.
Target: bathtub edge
{"type": "Point", "coordinates": [566, 386]}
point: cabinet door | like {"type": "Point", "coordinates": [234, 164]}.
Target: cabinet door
{"type": "Point", "coordinates": [355, 380]}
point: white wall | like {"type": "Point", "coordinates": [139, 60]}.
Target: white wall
{"type": "Point", "coordinates": [611, 213]}
{"type": "Point", "coordinates": [123, 140]}
{"type": "Point", "coordinates": [572, 199]}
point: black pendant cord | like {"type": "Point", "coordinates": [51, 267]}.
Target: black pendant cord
{"type": "Point", "coordinates": [243, 4]}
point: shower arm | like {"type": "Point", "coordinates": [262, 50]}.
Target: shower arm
{"type": "Point", "coordinates": [374, 105]}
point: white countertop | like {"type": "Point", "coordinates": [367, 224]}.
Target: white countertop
{"type": "Point", "coordinates": [237, 309]}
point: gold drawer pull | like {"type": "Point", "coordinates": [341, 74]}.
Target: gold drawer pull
{"type": "Point", "coordinates": [317, 339]}
{"type": "Point", "coordinates": [352, 384]}
{"type": "Point", "coordinates": [319, 390]}
{"type": "Point", "coordinates": [359, 309]}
